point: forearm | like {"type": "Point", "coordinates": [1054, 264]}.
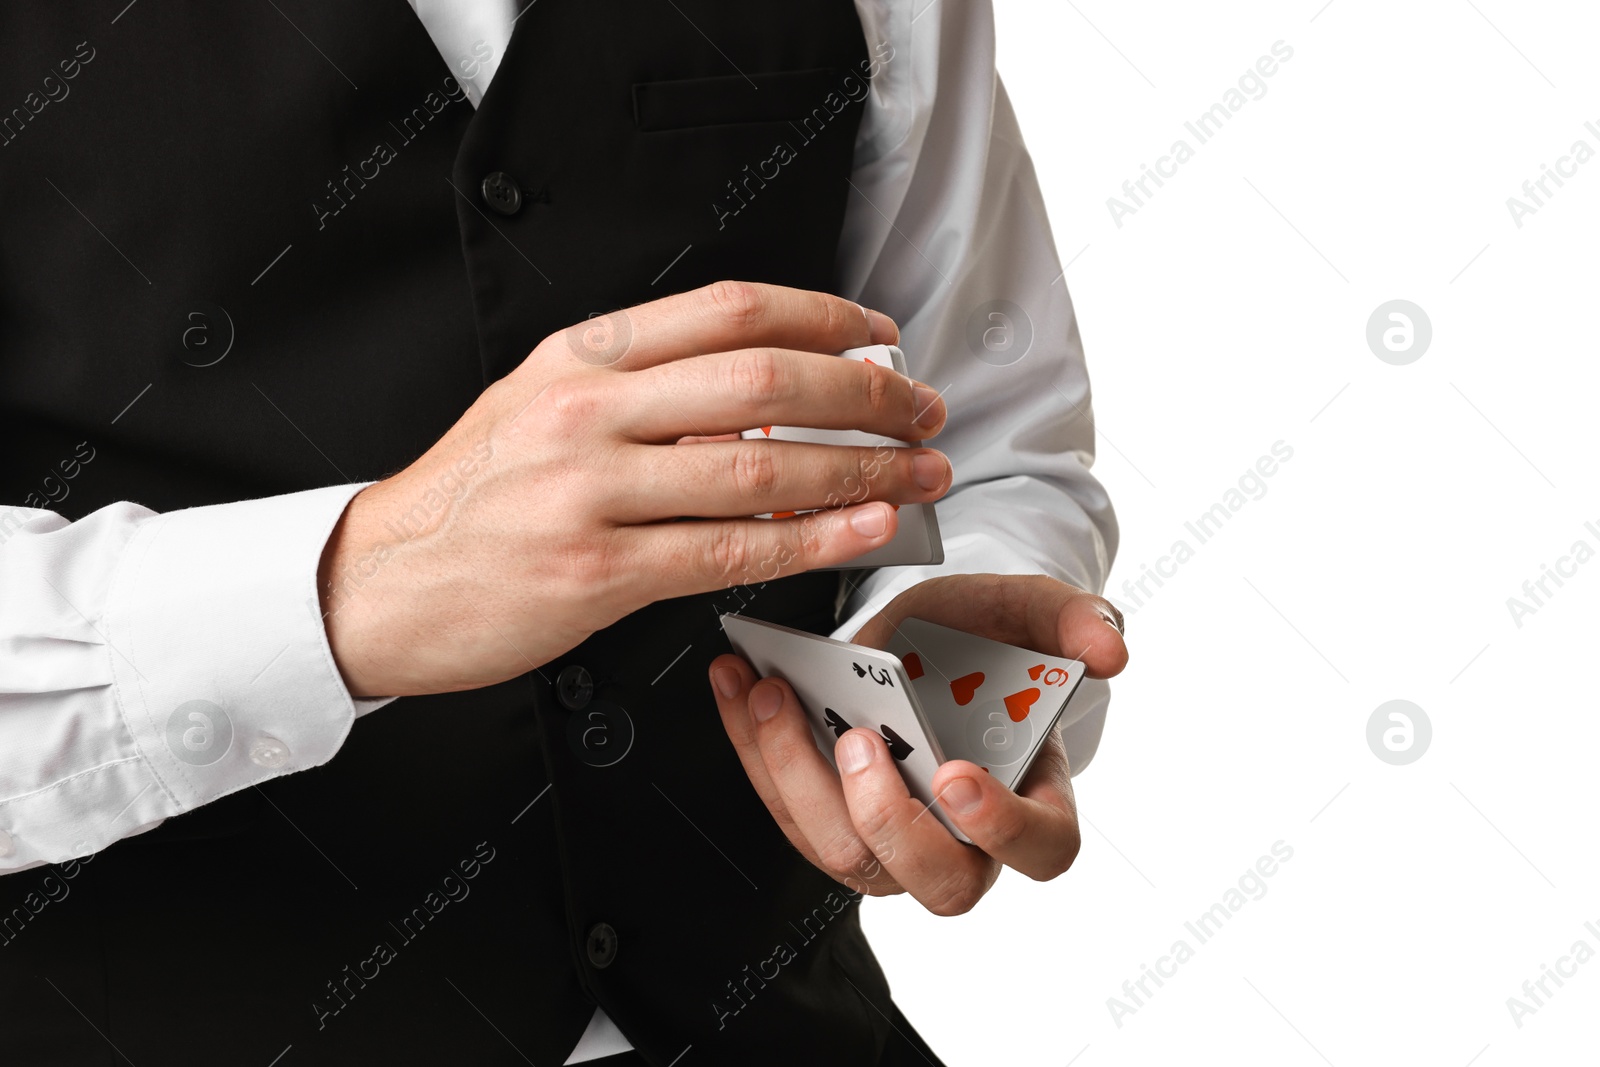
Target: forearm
{"type": "Point", "coordinates": [155, 663]}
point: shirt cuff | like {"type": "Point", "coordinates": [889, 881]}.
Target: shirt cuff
{"type": "Point", "coordinates": [222, 670]}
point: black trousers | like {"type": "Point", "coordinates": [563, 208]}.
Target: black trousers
{"type": "Point", "coordinates": [904, 1049]}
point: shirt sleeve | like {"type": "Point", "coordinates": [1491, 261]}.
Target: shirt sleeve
{"type": "Point", "coordinates": [153, 663]}
{"type": "Point", "coordinates": [946, 231]}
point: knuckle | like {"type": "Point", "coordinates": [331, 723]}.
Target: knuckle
{"type": "Point", "coordinates": [834, 320]}
{"type": "Point", "coordinates": [754, 470]}
{"type": "Point", "coordinates": [883, 887]}
{"type": "Point", "coordinates": [1005, 832]}
{"type": "Point", "coordinates": [878, 823]}
{"type": "Point", "coordinates": [571, 403]}
{"type": "Point", "coordinates": [808, 543]}
{"type": "Point", "coordinates": [846, 856]}
{"type": "Point", "coordinates": [880, 387]}
{"type": "Point", "coordinates": [956, 896]}
{"type": "Point", "coordinates": [730, 552]}
{"type": "Point", "coordinates": [784, 746]}
{"type": "Point", "coordinates": [757, 376]}
{"type": "Point", "coordinates": [593, 566]}
{"type": "Point", "coordinates": [1062, 859]}
{"type": "Point", "coordinates": [591, 573]}
{"type": "Point", "coordinates": [738, 303]}
{"type": "Point", "coordinates": [588, 567]}
{"type": "Point", "coordinates": [867, 469]}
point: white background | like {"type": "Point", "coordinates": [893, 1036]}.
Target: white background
{"type": "Point", "coordinates": [1230, 313]}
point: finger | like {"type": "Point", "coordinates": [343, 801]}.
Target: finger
{"type": "Point", "coordinates": [732, 391]}
{"type": "Point", "coordinates": [725, 316]}
{"type": "Point", "coordinates": [1026, 610]}
{"type": "Point", "coordinates": [680, 558]}
{"type": "Point", "coordinates": [1089, 628]}
{"type": "Point", "coordinates": [741, 478]}
{"type": "Point", "coordinates": [945, 876]}
{"type": "Point", "coordinates": [810, 789]}
{"type": "Point", "coordinates": [1035, 832]}
{"type": "Point", "coordinates": [731, 679]}
{"type": "Point", "coordinates": [692, 439]}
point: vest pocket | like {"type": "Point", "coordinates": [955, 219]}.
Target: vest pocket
{"type": "Point", "coordinates": [777, 96]}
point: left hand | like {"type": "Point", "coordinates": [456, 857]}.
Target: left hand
{"type": "Point", "coordinates": [861, 825]}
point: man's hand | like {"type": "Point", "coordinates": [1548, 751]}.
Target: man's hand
{"type": "Point", "coordinates": [861, 825]}
{"type": "Point", "coordinates": [549, 511]}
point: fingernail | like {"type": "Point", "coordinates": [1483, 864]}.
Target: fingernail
{"type": "Point", "coordinates": [962, 796]}
{"type": "Point", "coordinates": [765, 700]}
{"type": "Point", "coordinates": [928, 470]}
{"type": "Point", "coordinates": [726, 679]}
{"type": "Point", "coordinates": [870, 520]}
{"type": "Point", "coordinates": [1113, 617]}
{"type": "Point", "coordinates": [880, 325]}
{"type": "Point", "coordinates": [854, 752]}
{"type": "Point", "coordinates": [924, 404]}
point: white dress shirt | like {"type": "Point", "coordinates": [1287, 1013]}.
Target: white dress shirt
{"type": "Point", "coordinates": [151, 663]}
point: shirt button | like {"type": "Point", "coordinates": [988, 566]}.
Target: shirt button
{"type": "Point", "coordinates": [501, 193]}
{"type": "Point", "coordinates": [574, 687]}
{"type": "Point", "coordinates": [7, 847]}
{"type": "Point", "coordinates": [602, 945]}
{"type": "Point", "coordinates": [268, 752]}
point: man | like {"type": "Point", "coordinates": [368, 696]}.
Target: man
{"type": "Point", "coordinates": [341, 364]}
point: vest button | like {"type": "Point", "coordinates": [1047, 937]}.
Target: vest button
{"type": "Point", "coordinates": [602, 945]}
{"type": "Point", "coordinates": [501, 193]}
{"type": "Point", "coordinates": [574, 687]}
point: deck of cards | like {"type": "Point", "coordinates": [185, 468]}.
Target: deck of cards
{"type": "Point", "coordinates": [936, 694]}
{"type": "Point", "coordinates": [917, 538]}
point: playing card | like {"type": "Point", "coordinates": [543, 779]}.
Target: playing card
{"type": "Point", "coordinates": [841, 685]}
{"type": "Point", "coordinates": [986, 701]}
{"type": "Point", "coordinates": [917, 539]}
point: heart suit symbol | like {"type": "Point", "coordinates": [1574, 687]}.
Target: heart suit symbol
{"type": "Point", "coordinates": [1019, 704]}
{"type": "Point", "coordinates": [964, 687]}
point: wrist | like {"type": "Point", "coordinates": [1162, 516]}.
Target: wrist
{"type": "Point", "coordinates": [355, 600]}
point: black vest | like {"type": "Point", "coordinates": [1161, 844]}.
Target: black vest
{"type": "Point", "coordinates": [294, 185]}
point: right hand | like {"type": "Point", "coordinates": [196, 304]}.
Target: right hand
{"type": "Point", "coordinates": [548, 510]}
